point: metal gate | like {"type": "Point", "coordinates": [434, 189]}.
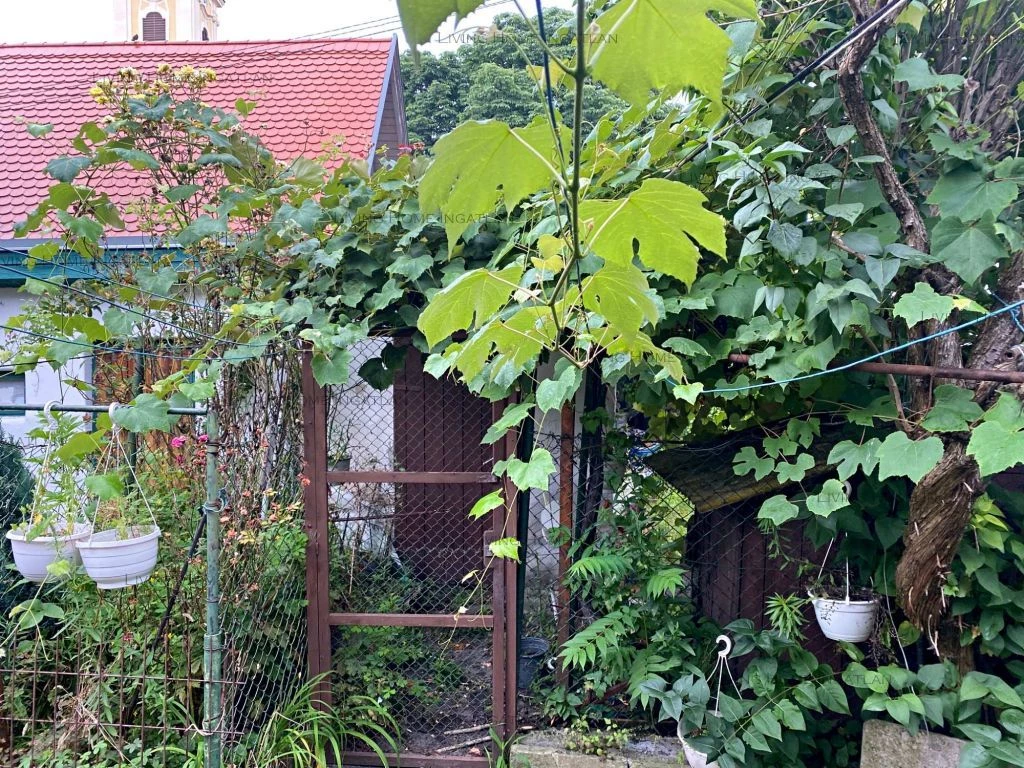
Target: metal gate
{"type": "Point", "coordinates": [406, 605]}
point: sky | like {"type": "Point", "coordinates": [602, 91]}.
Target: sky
{"type": "Point", "coordinates": [89, 21]}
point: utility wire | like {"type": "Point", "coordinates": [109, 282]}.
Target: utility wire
{"type": "Point", "coordinates": [111, 281]}
{"type": "Point", "coordinates": [99, 347]}
{"type": "Point", "coordinates": [132, 310]}
{"type": "Point", "coordinates": [877, 355]}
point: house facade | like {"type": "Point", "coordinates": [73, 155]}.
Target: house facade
{"type": "Point", "coordinates": [312, 96]}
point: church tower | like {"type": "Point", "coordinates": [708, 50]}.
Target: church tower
{"type": "Point", "coordinates": [166, 20]}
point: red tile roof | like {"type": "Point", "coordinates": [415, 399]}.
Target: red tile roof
{"type": "Point", "coordinates": [307, 92]}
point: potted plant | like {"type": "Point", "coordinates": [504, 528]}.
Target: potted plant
{"type": "Point", "coordinates": [123, 553]}
{"type": "Point", "coordinates": [339, 459]}
{"type": "Point", "coordinates": [43, 543]}
{"type": "Point", "coordinates": [843, 612]}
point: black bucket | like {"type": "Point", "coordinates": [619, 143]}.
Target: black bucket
{"type": "Point", "coordinates": [532, 651]}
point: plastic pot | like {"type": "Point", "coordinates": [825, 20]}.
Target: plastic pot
{"type": "Point", "coordinates": [115, 563]}
{"type": "Point", "coordinates": [532, 651]}
{"type": "Point", "coordinates": [33, 557]}
{"type": "Point", "coordinates": [849, 620]}
{"type": "Point", "coordinates": [697, 759]}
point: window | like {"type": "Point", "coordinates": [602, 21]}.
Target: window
{"type": "Point", "coordinates": [154, 27]}
{"type": "Point", "coordinates": [12, 391]}
{"type": "Point", "coordinates": [206, 34]}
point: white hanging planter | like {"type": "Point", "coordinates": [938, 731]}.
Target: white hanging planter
{"type": "Point", "coordinates": [850, 620]}
{"type": "Point", "coordinates": [33, 557]}
{"type": "Point", "coordinates": [115, 563]}
{"type": "Point", "coordinates": [697, 759]}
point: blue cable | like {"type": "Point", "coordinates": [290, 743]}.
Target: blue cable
{"type": "Point", "coordinates": [869, 358]}
{"type": "Point", "coordinates": [1016, 318]}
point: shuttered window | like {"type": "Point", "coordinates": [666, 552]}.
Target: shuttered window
{"type": "Point", "coordinates": [154, 27]}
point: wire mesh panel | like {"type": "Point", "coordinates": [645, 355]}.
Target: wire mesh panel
{"type": "Point", "coordinates": [407, 604]}
{"type": "Point", "coordinates": [108, 678]}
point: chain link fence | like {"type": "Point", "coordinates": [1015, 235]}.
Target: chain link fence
{"type": "Point", "coordinates": [95, 678]}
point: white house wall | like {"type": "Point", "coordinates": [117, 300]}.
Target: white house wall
{"type": "Point", "coordinates": [44, 383]}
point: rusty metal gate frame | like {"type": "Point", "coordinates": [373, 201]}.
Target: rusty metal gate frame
{"type": "Point", "coordinates": [501, 621]}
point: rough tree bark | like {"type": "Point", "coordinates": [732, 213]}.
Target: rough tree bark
{"type": "Point", "coordinates": [942, 502]}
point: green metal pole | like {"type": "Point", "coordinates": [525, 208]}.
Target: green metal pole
{"type": "Point", "coordinates": [212, 715]}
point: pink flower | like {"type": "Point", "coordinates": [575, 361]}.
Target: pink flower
{"type": "Point", "coordinates": [177, 442]}
{"type": "Point", "coordinates": [204, 438]}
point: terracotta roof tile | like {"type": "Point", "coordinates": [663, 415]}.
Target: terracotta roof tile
{"type": "Point", "coordinates": [307, 92]}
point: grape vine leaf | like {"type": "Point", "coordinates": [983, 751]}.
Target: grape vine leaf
{"type": "Point", "coordinates": [485, 504]}
{"type": "Point", "coordinates": [831, 498]}
{"type": "Point", "coordinates": [665, 45]}
{"type": "Point", "coordinates": [953, 410]}
{"type": "Point", "coordinates": [850, 456]}
{"type": "Point", "coordinates": [552, 392]}
{"type": "Point", "coordinates": [996, 446]}
{"type": "Point", "coordinates": [967, 250]}
{"type": "Point", "coordinates": [965, 194]}
{"type": "Point", "coordinates": [669, 220]}
{"type": "Point", "coordinates": [512, 416]}
{"type": "Point", "coordinates": [505, 549]}
{"type": "Point", "coordinates": [688, 392]}
{"type": "Point", "coordinates": [333, 369]}
{"type": "Point", "coordinates": [146, 413]}
{"type": "Point", "coordinates": [529, 474]}
{"type": "Point", "coordinates": [795, 472]}
{"type": "Point", "coordinates": [472, 298]}
{"type": "Point", "coordinates": [778, 510]}
{"type": "Point", "coordinates": [899, 456]}
{"type": "Point", "coordinates": [921, 304]}
{"type": "Point", "coordinates": [480, 163]}
{"type": "Point", "coordinates": [747, 461]}
{"type": "Point", "coordinates": [421, 18]}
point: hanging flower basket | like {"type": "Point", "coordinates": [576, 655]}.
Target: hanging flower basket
{"type": "Point", "coordinates": [844, 619]}
{"type": "Point", "coordinates": [33, 556]}
{"type": "Point", "coordinates": [115, 561]}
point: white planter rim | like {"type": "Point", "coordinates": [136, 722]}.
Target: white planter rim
{"type": "Point", "coordinates": [107, 539]}
{"type": "Point", "coordinates": [841, 600]}
{"type": "Point", "coordinates": [81, 530]}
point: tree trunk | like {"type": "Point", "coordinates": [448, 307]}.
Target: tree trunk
{"type": "Point", "coordinates": [940, 509]}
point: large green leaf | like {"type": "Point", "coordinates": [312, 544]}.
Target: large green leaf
{"type": "Point", "coordinates": [965, 194]}
{"type": "Point", "coordinates": [918, 76]}
{"type": "Point", "coordinates": [967, 250]}
{"type": "Point", "coordinates": [996, 447]}
{"type": "Point", "coordinates": [66, 167]}
{"type": "Point", "coordinates": [778, 510]}
{"type": "Point", "coordinates": [851, 456]}
{"type": "Point", "coordinates": [105, 487]}
{"type": "Point", "coordinates": [639, 46]}
{"type": "Point", "coordinates": [332, 369]}
{"type": "Point", "coordinates": [551, 393]}
{"type": "Point", "coordinates": [923, 303]}
{"type": "Point", "coordinates": [619, 294]}
{"type": "Point", "coordinates": [147, 413]}
{"type": "Point", "coordinates": [480, 163]}
{"type": "Point", "coordinates": [469, 301]}
{"type": "Point", "coordinates": [421, 18]}
{"type": "Point", "coordinates": [534, 473]}
{"type": "Point", "coordinates": [831, 498]}
{"type": "Point", "coordinates": [953, 411]}
{"type": "Point", "coordinates": [899, 456]}
{"type": "Point", "coordinates": [668, 219]}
